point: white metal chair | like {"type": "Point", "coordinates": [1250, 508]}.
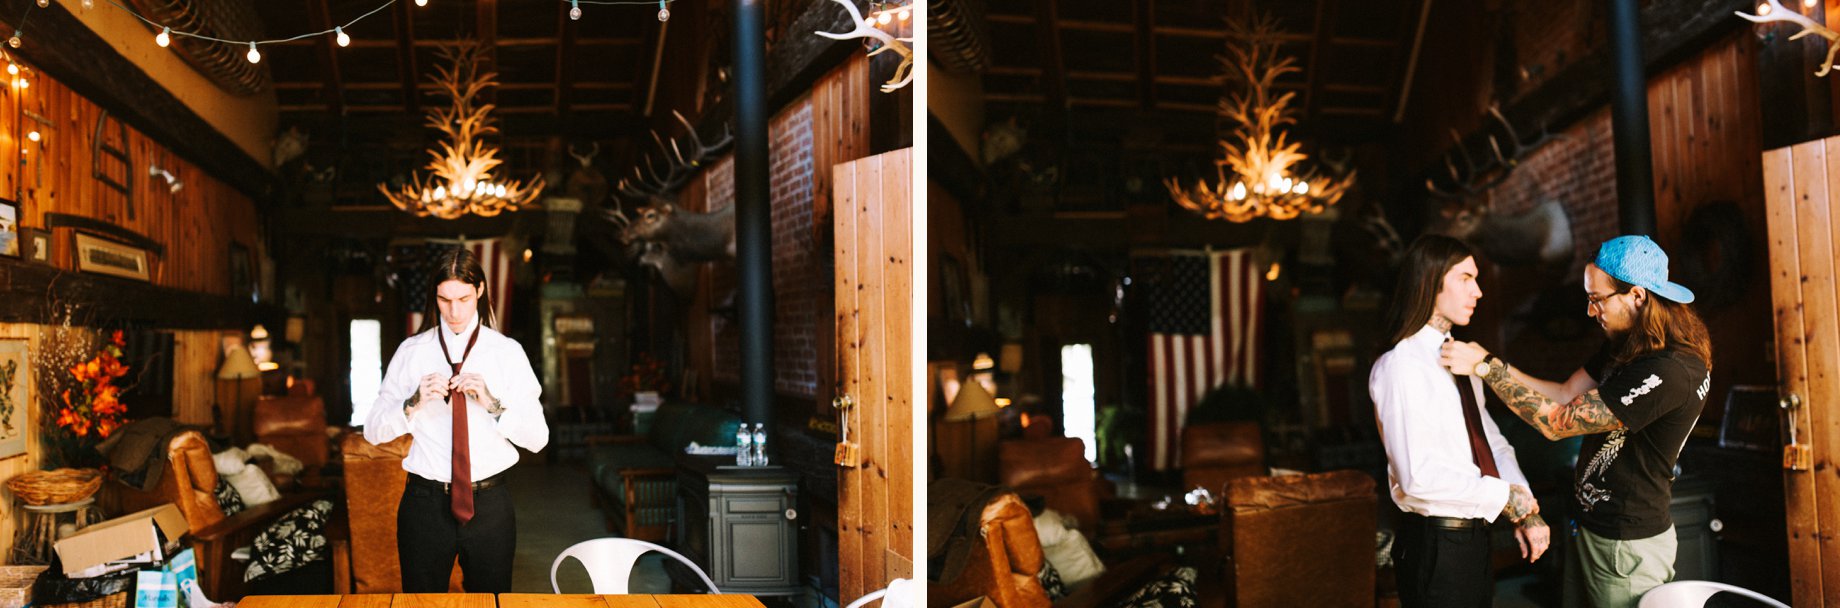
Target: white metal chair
{"type": "Point", "coordinates": [1684, 594]}
{"type": "Point", "coordinates": [899, 594]}
{"type": "Point", "coordinates": [610, 563]}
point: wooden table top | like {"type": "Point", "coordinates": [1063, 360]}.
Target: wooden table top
{"type": "Point", "coordinates": [506, 600]}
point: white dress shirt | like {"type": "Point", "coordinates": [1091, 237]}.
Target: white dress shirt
{"type": "Point", "coordinates": [508, 377]}
{"type": "Point", "coordinates": [1429, 467]}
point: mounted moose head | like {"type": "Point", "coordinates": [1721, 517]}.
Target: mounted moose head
{"type": "Point", "coordinates": [678, 166]}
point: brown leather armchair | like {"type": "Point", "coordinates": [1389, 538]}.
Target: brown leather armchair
{"type": "Point", "coordinates": [190, 483]}
{"type": "Point", "coordinates": [1005, 556]}
{"type": "Point", "coordinates": [1055, 469]}
{"type": "Point", "coordinates": [1214, 453]}
{"type": "Point", "coordinates": [374, 480]}
{"type": "Point", "coordinates": [1300, 540]}
{"type": "Point", "coordinates": [295, 425]}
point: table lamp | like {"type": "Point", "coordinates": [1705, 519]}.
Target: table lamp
{"type": "Point", "coordinates": [238, 369]}
{"type": "Point", "coordinates": [971, 403]}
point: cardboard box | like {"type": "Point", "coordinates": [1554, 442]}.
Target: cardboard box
{"type": "Point", "coordinates": [121, 538]}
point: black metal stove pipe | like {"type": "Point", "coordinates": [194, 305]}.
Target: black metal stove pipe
{"type": "Point", "coordinates": [1635, 178]}
{"type": "Point", "coordinates": [753, 213]}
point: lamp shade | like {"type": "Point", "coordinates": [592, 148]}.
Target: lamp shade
{"type": "Point", "coordinates": [972, 402]}
{"type": "Point", "coordinates": [238, 365]}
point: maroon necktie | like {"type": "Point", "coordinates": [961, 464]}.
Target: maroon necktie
{"type": "Point", "coordinates": [460, 488]}
{"type": "Point", "coordinates": [1478, 447]}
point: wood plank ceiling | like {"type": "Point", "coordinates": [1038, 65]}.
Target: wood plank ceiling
{"type": "Point", "coordinates": [559, 79]}
{"type": "Point", "coordinates": [1159, 56]}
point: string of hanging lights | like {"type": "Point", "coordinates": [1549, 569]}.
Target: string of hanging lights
{"type": "Point", "coordinates": [165, 37]}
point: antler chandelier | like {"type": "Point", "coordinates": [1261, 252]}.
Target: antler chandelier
{"type": "Point", "coordinates": [460, 179]}
{"type": "Point", "coordinates": [1260, 172]}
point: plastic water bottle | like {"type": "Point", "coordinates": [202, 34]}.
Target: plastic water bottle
{"type": "Point", "coordinates": [760, 444]}
{"type": "Point", "coordinates": [744, 442]}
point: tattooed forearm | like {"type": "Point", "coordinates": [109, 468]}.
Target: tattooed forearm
{"type": "Point", "coordinates": [1584, 415]}
{"type": "Point", "coordinates": [1532, 521]}
{"type": "Point", "coordinates": [1520, 504]}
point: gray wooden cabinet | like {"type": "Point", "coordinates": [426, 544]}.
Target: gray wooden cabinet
{"type": "Point", "coordinates": [740, 524]}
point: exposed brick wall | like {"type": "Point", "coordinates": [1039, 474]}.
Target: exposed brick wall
{"type": "Point", "coordinates": [1577, 169]}
{"type": "Point", "coordinates": [801, 270]}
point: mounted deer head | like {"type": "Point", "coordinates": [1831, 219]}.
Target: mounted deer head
{"type": "Point", "coordinates": [1538, 236]}
{"type": "Point", "coordinates": [586, 183]}
{"type": "Point", "coordinates": [648, 182]}
{"type": "Point", "coordinates": [1475, 179]}
{"type": "Point", "coordinates": [693, 237]}
{"type": "Point", "coordinates": [678, 275]}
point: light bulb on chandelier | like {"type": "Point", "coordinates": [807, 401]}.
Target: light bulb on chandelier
{"type": "Point", "coordinates": [12, 69]}
{"type": "Point", "coordinates": [44, 3]}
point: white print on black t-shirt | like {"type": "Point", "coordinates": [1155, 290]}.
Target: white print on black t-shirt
{"type": "Point", "coordinates": [1588, 493]}
{"type": "Point", "coordinates": [1705, 387]}
{"type": "Point", "coordinates": [1647, 385]}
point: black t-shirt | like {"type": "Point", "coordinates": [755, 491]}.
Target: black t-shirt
{"type": "Point", "coordinates": [1625, 478]}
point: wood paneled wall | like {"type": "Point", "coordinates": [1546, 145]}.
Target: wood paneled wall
{"type": "Point", "coordinates": [195, 225]}
{"type": "Point", "coordinates": [1705, 131]}
{"type": "Point", "coordinates": [875, 252]}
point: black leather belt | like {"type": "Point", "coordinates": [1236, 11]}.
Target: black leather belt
{"type": "Point", "coordinates": [447, 487]}
{"type": "Point", "coordinates": [1450, 523]}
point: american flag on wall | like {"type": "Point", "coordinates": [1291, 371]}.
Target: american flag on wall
{"type": "Point", "coordinates": [493, 259]}
{"type": "Point", "coordinates": [1204, 332]}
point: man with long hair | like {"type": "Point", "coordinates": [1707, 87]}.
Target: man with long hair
{"type": "Point", "coordinates": [468, 395]}
{"type": "Point", "coordinates": [1449, 469]}
{"type": "Point", "coordinates": [1635, 403]}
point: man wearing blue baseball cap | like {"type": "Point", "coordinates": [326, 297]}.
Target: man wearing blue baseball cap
{"type": "Point", "coordinates": [1635, 402]}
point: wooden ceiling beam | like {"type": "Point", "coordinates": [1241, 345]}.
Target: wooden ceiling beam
{"type": "Point", "coordinates": [1054, 83]}
{"type": "Point", "coordinates": [405, 56]}
{"type": "Point", "coordinates": [334, 84]}
{"type": "Point", "coordinates": [1325, 26]}
{"type": "Point", "coordinates": [1145, 20]}
{"type": "Point", "coordinates": [565, 60]}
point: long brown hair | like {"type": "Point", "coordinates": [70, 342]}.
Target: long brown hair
{"type": "Point", "coordinates": [457, 264]}
{"type": "Point", "coordinates": [1421, 277]}
{"type": "Point", "coordinates": [1663, 324]}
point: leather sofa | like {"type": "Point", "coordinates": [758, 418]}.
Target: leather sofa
{"type": "Point", "coordinates": [190, 483]}
{"type": "Point", "coordinates": [635, 476]}
{"type": "Point", "coordinates": [1214, 453]}
{"type": "Point", "coordinates": [295, 425]}
{"type": "Point", "coordinates": [1055, 469]}
{"type": "Point", "coordinates": [1300, 540]}
{"type": "Point", "coordinates": [374, 480]}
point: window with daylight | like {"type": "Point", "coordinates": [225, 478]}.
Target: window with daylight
{"type": "Point", "coordinates": [1077, 408]}
{"type": "Point", "coordinates": [366, 367]}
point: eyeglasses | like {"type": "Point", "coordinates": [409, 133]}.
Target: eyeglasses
{"type": "Point", "coordinates": [1596, 302]}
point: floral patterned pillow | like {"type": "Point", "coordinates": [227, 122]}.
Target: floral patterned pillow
{"type": "Point", "coordinates": [1174, 590]}
{"type": "Point", "coordinates": [227, 498]}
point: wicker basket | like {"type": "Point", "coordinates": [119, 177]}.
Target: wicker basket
{"type": "Point", "coordinates": [118, 600]}
{"type": "Point", "coordinates": [55, 487]}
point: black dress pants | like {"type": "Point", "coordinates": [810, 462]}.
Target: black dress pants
{"type": "Point", "coordinates": [429, 539]}
{"type": "Point", "coordinates": [1439, 567]}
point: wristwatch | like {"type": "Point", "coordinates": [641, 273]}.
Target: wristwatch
{"type": "Point", "coordinates": [1482, 369]}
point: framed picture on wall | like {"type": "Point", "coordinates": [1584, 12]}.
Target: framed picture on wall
{"type": "Point", "coordinates": [103, 256]}
{"type": "Point", "coordinates": [15, 396]}
{"type": "Point", "coordinates": [242, 273]}
{"type": "Point", "coordinates": [36, 245]}
{"type": "Point", "coordinates": [9, 228]}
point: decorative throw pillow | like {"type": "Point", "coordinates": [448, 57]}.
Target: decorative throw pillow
{"type": "Point", "coordinates": [227, 498]}
{"type": "Point", "coordinates": [1064, 546]}
{"type": "Point", "coordinates": [252, 485]}
{"type": "Point", "coordinates": [1173, 590]}
{"type": "Point", "coordinates": [291, 542]}
{"type": "Point", "coordinates": [1051, 581]}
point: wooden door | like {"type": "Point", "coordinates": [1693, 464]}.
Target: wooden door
{"type": "Point", "coordinates": [873, 226]}
{"type": "Point", "coordinates": [1800, 182]}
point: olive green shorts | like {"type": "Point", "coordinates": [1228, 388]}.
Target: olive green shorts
{"type": "Point", "coordinates": [1608, 573]}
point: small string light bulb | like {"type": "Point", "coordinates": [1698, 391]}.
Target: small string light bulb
{"type": "Point", "coordinates": [14, 41]}
{"type": "Point", "coordinates": [44, 3]}
{"type": "Point", "coordinates": [344, 39]}
{"type": "Point", "coordinates": [664, 14]}
{"type": "Point", "coordinates": [421, 2]}
{"type": "Point", "coordinates": [574, 10]}
{"type": "Point", "coordinates": [34, 136]}
{"type": "Point", "coordinates": [254, 55]}
{"type": "Point", "coordinates": [25, 84]}
{"type": "Point", "coordinates": [165, 37]}
{"type": "Point", "coordinates": [89, 4]}
{"type": "Point", "coordinates": [904, 15]}
{"type": "Point", "coordinates": [12, 68]}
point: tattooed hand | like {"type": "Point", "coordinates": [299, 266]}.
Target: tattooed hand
{"type": "Point", "coordinates": [1534, 537]}
{"type": "Point", "coordinates": [1520, 504]}
{"type": "Point", "coordinates": [1461, 357]}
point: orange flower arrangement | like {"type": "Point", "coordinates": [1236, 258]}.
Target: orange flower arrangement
{"type": "Point", "coordinates": [647, 374]}
{"type": "Point", "coordinates": [96, 407]}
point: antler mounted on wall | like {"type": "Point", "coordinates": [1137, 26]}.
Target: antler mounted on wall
{"type": "Point", "coordinates": [1476, 178]}
{"type": "Point", "coordinates": [647, 181]}
{"type": "Point", "coordinates": [1774, 12]}
{"type": "Point", "coordinates": [865, 28]}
